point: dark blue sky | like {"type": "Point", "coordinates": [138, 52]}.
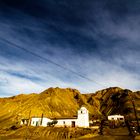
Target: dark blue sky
{"type": "Point", "coordinates": [94, 38]}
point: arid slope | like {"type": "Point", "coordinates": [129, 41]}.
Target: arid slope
{"type": "Point", "coordinates": [57, 102]}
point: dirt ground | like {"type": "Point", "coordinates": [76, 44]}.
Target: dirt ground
{"type": "Point", "coordinates": [109, 134]}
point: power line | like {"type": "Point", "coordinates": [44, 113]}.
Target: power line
{"type": "Point", "coordinates": [48, 60]}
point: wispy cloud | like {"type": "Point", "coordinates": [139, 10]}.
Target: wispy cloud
{"type": "Point", "coordinates": [102, 47]}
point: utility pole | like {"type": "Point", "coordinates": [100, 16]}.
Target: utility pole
{"type": "Point", "coordinates": [41, 119]}
{"type": "Point", "coordinates": [134, 107]}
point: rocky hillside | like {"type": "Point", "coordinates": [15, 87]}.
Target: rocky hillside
{"type": "Point", "coordinates": [118, 101]}
{"type": "Point", "coordinates": [57, 102]}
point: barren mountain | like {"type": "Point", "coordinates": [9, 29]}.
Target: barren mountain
{"type": "Point", "coordinates": [57, 102]}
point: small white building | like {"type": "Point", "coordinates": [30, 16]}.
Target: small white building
{"type": "Point", "coordinates": [82, 120]}
{"type": "Point", "coordinates": [37, 121]}
{"type": "Point", "coordinates": [116, 117]}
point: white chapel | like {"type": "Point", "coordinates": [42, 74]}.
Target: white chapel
{"type": "Point", "coordinates": [82, 120]}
